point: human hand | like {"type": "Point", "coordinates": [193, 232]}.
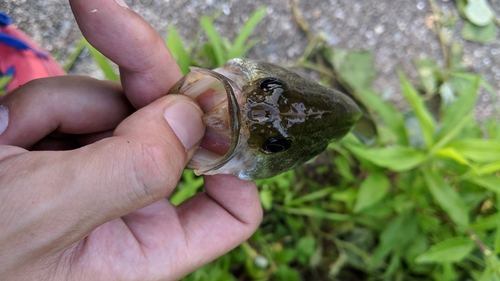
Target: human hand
{"type": "Point", "coordinates": [99, 212]}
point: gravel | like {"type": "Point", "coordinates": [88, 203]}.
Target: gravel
{"type": "Point", "coordinates": [395, 31]}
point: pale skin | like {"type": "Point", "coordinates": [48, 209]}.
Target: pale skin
{"type": "Point", "coordinates": [84, 177]}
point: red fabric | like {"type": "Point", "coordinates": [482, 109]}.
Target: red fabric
{"type": "Point", "coordinates": [28, 65]}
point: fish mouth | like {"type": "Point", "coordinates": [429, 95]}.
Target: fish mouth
{"type": "Point", "coordinates": [216, 95]}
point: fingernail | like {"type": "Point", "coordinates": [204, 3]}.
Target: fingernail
{"type": "Point", "coordinates": [185, 120]}
{"type": "Point", "coordinates": [4, 118]}
{"type": "Point", "coordinates": [121, 3]}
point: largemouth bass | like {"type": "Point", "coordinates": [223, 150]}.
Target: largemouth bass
{"type": "Point", "coordinates": [262, 119]}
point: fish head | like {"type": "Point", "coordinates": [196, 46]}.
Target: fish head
{"type": "Point", "coordinates": [265, 119]}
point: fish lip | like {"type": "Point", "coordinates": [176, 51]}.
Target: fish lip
{"type": "Point", "coordinates": [234, 119]}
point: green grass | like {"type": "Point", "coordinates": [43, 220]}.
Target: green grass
{"type": "Point", "coordinates": [420, 204]}
{"type": "Point", "coordinates": [4, 81]}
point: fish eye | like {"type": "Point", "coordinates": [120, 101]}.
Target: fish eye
{"type": "Point", "coordinates": [271, 83]}
{"type": "Point", "coordinates": [274, 145]}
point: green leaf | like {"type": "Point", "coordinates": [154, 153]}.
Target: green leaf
{"type": "Point", "coordinates": [451, 153]}
{"type": "Point", "coordinates": [478, 12]}
{"type": "Point", "coordinates": [344, 168]}
{"type": "Point", "coordinates": [103, 63]}
{"type": "Point", "coordinates": [451, 250]}
{"type": "Point", "coordinates": [462, 80]}
{"type": "Point", "coordinates": [480, 34]}
{"type": "Point", "coordinates": [372, 190]}
{"type": "Point", "coordinates": [305, 248]}
{"type": "Point", "coordinates": [174, 43]}
{"type": "Point", "coordinates": [416, 247]}
{"type": "Point", "coordinates": [214, 38]}
{"type": "Point", "coordinates": [488, 168]}
{"type": "Point", "coordinates": [393, 238]}
{"type": "Point", "coordinates": [312, 196]}
{"type": "Point", "coordinates": [356, 68]}
{"type": "Point", "coordinates": [456, 115]}
{"type": "Point", "coordinates": [425, 119]}
{"type": "Point", "coordinates": [429, 73]}
{"type": "Point", "coordinates": [461, 4]}
{"type": "Point", "coordinates": [335, 56]}
{"type": "Point", "coordinates": [239, 47]}
{"type": "Point", "coordinates": [447, 94]}
{"type": "Point", "coordinates": [286, 273]}
{"type": "Point", "coordinates": [266, 198]}
{"type": "Point", "coordinates": [392, 118]}
{"type": "Point", "coordinates": [478, 150]}
{"type": "Point", "coordinates": [348, 196]}
{"type": "Point", "coordinates": [284, 256]}
{"type": "Point", "coordinates": [491, 272]}
{"type": "Point", "coordinates": [396, 158]}
{"type": "Point", "coordinates": [496, 246]}
{"type": "Point", "coordinates": [486, 224]}
{"type": "Point", "coordinates": [446, 197]}
{"type": "Point", "coordinates": [490, 182]}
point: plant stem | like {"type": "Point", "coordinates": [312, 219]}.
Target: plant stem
{"type": "Point", "coordinates": [439, 30]}
{"type": "Point", "coordinates": [484, 249]}
{"type": "Point", "coordinates": [300, 19]}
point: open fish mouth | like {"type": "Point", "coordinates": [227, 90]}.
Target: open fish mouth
{"type": "Point", "coordinates": [217, 96]}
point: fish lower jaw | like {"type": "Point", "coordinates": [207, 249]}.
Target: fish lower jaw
{"type": "Point", "coordinates": [241, 165]}
{"type": "Point", "coordinates": [211, 93]}
{"type": "Point", "coordinates": [212, 150]}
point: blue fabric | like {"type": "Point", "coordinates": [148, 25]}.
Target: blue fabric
{"type": "Point", "coordinates": [10, 71]}
{"type": "Point", "coordinates": [4, 19]}
{"type": "Point", "coordinates": [14, 42]}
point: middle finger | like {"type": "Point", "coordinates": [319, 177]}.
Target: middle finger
{"type": "Point", "coordinates": [65, 104]}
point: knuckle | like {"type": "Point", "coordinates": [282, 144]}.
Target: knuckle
{"type": "Point", "coordinates": [157, 169]}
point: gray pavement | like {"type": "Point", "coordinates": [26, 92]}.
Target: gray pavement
{"type": "Point", "coordinates": [395, 30]}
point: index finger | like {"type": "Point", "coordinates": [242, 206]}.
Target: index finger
{"type": "Point", "coordinates": [147, 67]}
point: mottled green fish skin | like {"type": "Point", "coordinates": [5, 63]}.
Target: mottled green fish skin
{"type": "Point", "coordinates": [301, 111]}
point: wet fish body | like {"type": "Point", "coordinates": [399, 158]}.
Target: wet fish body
{"type": "Point", "coordinates": [263, 119]}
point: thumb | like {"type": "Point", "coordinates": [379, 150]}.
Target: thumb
{"type": "Point", "coordinates": [148, 153]}
{"type": "Point", "coordinates": [75, 191]}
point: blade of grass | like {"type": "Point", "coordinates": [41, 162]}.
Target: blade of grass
{"type": "Point", "coordinates": [187, 188]}
{"type": "Point", "coordinates": [238, 48]}
{"type": "Point", "coordinates": [312, 196]}
{"type": "Point", "coordinates": [103, 63]}
{"type": "Point", "coordinates": [417, 104]}
{"type": "Point", "coordinates": [315, 213]}
{"type": "Point", "coordinates": [174, 43]}
{"type": "Point", "coordinates": [214, 38]}
{"type": "Point", "coordinates": [75, 54]}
